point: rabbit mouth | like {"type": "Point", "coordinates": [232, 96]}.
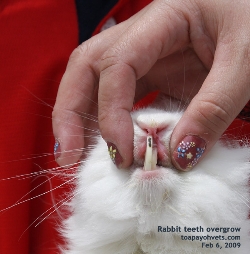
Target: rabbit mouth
{"type": "Point", "coordinates": [153, 156]}
{"type": "Point", "coordinates": [151, 153]}
{"type": "Point", "coordinates": [150, 169]}
{"type": "Point", "coordinates": [152, 166]}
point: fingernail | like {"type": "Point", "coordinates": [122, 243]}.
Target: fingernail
{"type": "Point", "coordinates": [57, 149]}
{"type": "Point", "coordinates": [189, 151]}
{"type": "Point", "coordinates": [114, 154]}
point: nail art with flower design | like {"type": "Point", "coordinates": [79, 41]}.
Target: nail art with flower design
{"type": "Point", "coordinates": [57, 149]}
{"type": "Point", "coordinates": [114, 154]}
{"type": "Point", "coordinates": [189, 151]}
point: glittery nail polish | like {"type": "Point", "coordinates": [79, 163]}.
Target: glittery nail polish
{"type": "Point", "coordinates": [114, 154]}
{"type": "Point", "coordinates": [189, 151]}
{"type": "Point", "coordinates": [57, 149]}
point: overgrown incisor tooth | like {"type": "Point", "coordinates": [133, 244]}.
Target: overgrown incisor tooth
{"type": "Point", "coordinates": [154, 158]}
{"type": "Point", "coordinates": [148, 154]}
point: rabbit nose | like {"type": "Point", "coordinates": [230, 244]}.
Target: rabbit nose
{"type": "Point", "coordinates": [152, 127]}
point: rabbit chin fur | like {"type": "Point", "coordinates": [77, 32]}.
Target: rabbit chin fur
{"type": "Point", "coordinates": [116, 211]}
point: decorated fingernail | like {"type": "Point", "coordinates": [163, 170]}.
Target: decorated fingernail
{"type": "Point", "coordinates": [114, 154]}
{"type": "Point", "coordinates": [57, 149]}
{"type": "Point", "coordinates": [189, 151]}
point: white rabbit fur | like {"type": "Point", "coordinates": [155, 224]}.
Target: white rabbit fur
{"type": "Point", "coordinates": [118, 211]}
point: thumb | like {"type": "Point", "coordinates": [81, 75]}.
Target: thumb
{"type": "Point", "coordinates": [220, 99]}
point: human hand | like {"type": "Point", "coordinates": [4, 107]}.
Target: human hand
{"type": "Point", "coordinates": [131, 59]}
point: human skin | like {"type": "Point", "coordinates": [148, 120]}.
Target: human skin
{"type": "Point", "coordinates": [129, 60]}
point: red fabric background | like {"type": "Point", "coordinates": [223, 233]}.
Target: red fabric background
{"type": "Point", "coordinates": [36, 40]}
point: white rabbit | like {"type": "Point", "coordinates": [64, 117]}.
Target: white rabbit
{"type": "Point", "coordinates": [129, 211]}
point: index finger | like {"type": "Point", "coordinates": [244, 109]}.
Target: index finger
{"type": "Point", "coordinates": [75, 93]}
{"type": "Point", "coordinates": [126, 61]}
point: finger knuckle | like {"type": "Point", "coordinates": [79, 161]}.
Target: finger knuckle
{"type": "Point", "coordinates": [215, 114]}
{"type": "Point", "coordinates": [81, 53]}
{"type": "Point", "coordinates": [110, 58]}
{"type": "Point", "coordinates": [75, 56]}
